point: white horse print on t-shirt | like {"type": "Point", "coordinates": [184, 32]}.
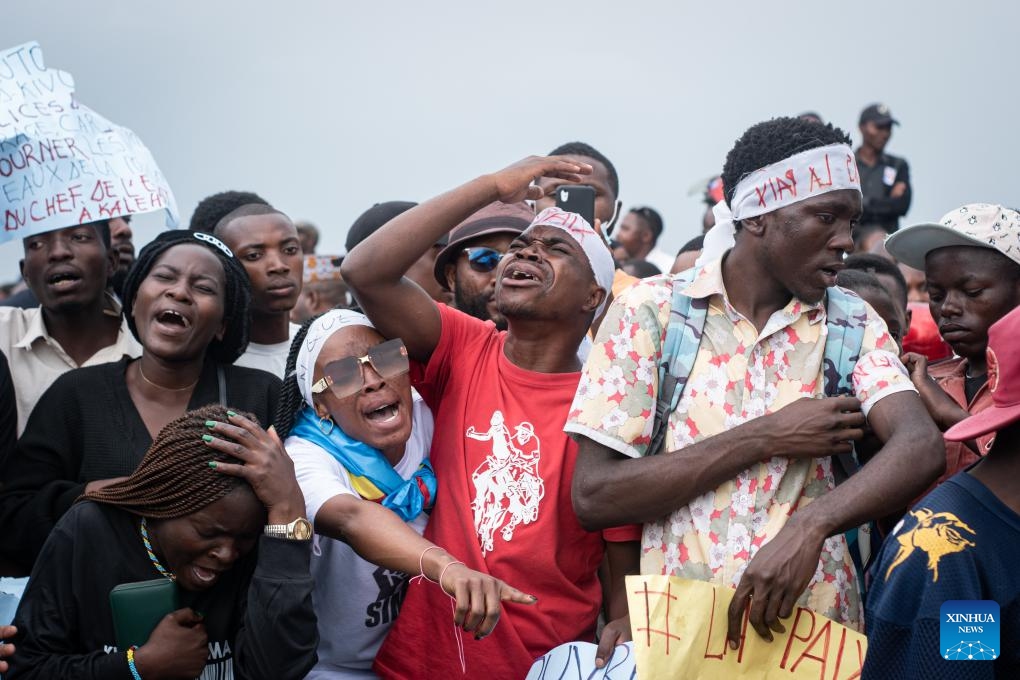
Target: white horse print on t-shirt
{"type": "Point", "coordinates": [508, 487]}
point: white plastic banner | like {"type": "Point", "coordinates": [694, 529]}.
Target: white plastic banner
{"type": "Point", "coordinates": [61, 163]}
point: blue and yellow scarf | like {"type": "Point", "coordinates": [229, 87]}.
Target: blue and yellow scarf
{"type": "Point", "coordinates": [371, 474]}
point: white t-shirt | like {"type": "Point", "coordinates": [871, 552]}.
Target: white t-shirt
{"type": "Point", "coordinates": [355, 601]}
{"type": "Point", "coordinates": [271, 358]}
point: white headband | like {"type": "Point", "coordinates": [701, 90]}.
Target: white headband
{"type": "Point", "coordinates": [804, 175]}
{"type": "Point", "coordinates": [318, 333]}
{"type": "Point", "coordinates": [599, 258]}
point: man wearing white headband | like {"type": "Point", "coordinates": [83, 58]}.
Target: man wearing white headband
{"type": "Point", "coordinates": [500, 398]}
{"type": "Point", "coordinates": [743, 493]}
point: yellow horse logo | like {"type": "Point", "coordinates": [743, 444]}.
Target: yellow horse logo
{"type": "Point", "coordinates": [937, 534]}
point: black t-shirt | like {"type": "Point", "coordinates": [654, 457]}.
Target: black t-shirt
{"type": "Point", "coordinates": [258, 616]}
{"type": "Point", "coordinates": [877, 182]}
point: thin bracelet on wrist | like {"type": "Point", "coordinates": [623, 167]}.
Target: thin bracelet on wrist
{"type": "Point", "coordinates": [131, 663]}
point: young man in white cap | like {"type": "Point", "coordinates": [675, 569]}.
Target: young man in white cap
{"type": "Point", "coordinates": [959, 543]}
{"type": "Point", "coordinates": [500, 398]}
{"type": "Point", "coordinates": [971, 260]}
{"type": "Point", "coordinates": [743, 493]}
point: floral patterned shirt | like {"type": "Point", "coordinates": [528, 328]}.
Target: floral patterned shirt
{"type": "Point", "coordinates": [739, 374]}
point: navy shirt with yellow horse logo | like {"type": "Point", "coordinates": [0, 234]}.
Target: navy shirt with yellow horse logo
{"type": "Point", "coordinates": [960, 542]}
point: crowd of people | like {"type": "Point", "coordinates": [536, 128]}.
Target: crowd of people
{"type": "Point", "coordinates": [441, 454]}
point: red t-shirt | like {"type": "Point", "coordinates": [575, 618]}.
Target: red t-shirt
{"type": "Point", "coordinates": [504, 468]}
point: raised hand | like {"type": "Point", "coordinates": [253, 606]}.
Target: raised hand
{"type": "Point", "coordinates": [176, 650]}
{"type": "Point", "coordinates": [515, 182]}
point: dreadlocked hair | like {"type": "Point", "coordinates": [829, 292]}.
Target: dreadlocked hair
{"type": "Point", "coordinates": [236, 301]}
{"type": "Point", "coordinates": [290, 401]}
{"type": "Point", "coordinates": [174, 478]}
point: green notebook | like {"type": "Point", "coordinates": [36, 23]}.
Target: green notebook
{"type": "Point", "coordinates": [139, 607]}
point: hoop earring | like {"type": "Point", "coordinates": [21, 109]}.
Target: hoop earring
{"type": "Point", "coordinates": [322, 424]}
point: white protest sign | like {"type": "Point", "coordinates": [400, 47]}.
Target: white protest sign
{"type": "Point", "coordinates": [576, 661]}
{"type": "Point", "coordinates": [61, 163]}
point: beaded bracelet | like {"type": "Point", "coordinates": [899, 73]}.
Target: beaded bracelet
{"type": "Point", "coordinates": [131, 663]}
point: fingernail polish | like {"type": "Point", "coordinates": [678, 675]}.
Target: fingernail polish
{"type": "Point", "coordinates": [210, 424]}
{"type": "Point", "coordinates": [231, 414]}
{"type": "Point", "coordinates": [212, 464]}
{"type": "Point", "coordinates": [206, 438]}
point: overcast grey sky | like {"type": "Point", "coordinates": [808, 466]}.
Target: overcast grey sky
{"type": "Point", "coordinates": [325, 108]}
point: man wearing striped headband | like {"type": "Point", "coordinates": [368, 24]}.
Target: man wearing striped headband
{"type": "Point", "coordinates": [743, 493]}
{"type": "Point", "coordinates": [502, 461]}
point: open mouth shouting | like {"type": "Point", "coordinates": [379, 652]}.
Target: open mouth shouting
{"type": "Point", "coordinates": [203, 576]}
{"type": "Point", "coordinates": [518, 274]}
{"type": "Point", "coordinates": [172, 321]}
{"type": "Point", "coordinates": [384, 414]}
{"type": "Point", "coordinates": [63, 280]}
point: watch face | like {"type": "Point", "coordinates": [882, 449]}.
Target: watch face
{"type": "Point", "coordinates": [302, 530]}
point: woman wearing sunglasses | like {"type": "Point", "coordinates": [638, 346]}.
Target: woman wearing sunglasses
{"type": "Point", "coordinates": [360, 437]}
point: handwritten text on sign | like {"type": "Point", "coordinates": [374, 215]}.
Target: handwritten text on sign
{"type": "Point", "coordinates": [576, 661]}
{"type": "Point", "coordinates": [679, 629]}
{"type": "Point", "coordinates": [62, 164]}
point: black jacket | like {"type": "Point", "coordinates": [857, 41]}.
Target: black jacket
{"type": "Point", "coordinates": [258, 616]}
{"type": "Point", "coordinates": [877, 182]}
{"type": "Point", "coordinates": [85, 427]}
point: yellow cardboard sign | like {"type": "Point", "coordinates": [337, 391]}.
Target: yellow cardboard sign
{"type": "Point", "coordinates": [679, 629]}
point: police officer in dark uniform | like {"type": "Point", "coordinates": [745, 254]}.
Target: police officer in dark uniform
{"type": "Point", "coordinates": [885, 179]}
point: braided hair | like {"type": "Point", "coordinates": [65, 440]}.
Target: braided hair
{"type": "Point", "coordinates": [290, 400]}
{"type": "Point", "coordinates": [236, 302]}
{"type": "Point", "coordinates": [174, 478]}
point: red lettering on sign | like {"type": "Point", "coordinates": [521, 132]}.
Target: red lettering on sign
{"type": "Point", "coordinates": [822, 659]}
{"type": "Point", "coordinates": [647, 629]}
{"type": "Point", "coordinates": [801, 612]}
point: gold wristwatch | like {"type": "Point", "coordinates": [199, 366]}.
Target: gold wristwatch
{"type": "Point", "coordinates": [298, 530]}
